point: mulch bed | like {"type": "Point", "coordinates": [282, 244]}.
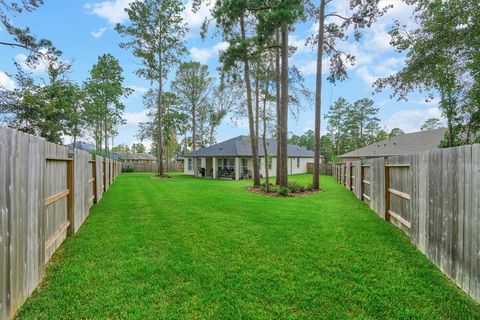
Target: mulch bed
{"type": "Point", "coordinates": [276, 195]}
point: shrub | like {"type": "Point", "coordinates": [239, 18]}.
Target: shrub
{"type": "Point", "coordinates": [296, 187]}
{"type": "Point", "coordinates": [309, 187]}
{"type": "Point", "coordinates": [283, 191]}
{"type": "Point", "coordinates": [127, 169]}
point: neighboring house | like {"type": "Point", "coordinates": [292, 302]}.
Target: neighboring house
{"type": "Point", "coordinates": [82, 145]}
{"type": "Point", "coordinates": [402, 144]}
{"type": "Point", "coordinates": [130, 157]}
{"type": "Point", "coordinates": [233, 159]}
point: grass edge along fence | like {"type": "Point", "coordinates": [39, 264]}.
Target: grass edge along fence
{"type": "Point", "coordinates": [46, 192]}
{"type": "Point", "coordinates": [434, 197]}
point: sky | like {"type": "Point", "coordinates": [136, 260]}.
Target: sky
{"type": "Point", "coordinates": [84, 30]}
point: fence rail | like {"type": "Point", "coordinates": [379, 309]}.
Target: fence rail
{"type": "Point", "coordinates": [45, 195]}
{"type": "Point", "coordinates": [434, 197]}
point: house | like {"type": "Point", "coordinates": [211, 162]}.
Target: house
{"type": "Point", "coordinates": [130, 157]}
{"type": "Point", "coordinates": [233, 159]}
{"type": "Point", "coordinates": [81, 145]}
{"type": "Point", "coordinates": [402, 144]}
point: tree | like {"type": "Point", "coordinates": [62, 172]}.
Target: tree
{"type": "Point", "coordinates": [395, 132]}
{"type": "Point", "coordinates": [362, 15]}
{"type": "Point", "coordinates": [193, 86]}
{"type": "Point", "coordinates": [306, 140]}
{"type": "Point", "coordinates": [361, 116]}
{"type": "Point", "coordinates": [22, 37]}
{"type": "Point", "coordinates": [442, 60]}
{"type": "Point", "coordinates": [122, 148]}
{"type": "Point", "coordinates": [51, 109]}
{"type": "Point", "coordinates": [173, 118]}
{"type": "Point", "coordinates": [431, 124]}
{"type": "Point", "coordinates": [155, 33]}
{"type": "Point", "coordinates": [138, 147]}
{"type": "Point", "coordinates": [104, 106]}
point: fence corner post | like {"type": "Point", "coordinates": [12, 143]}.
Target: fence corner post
{"type": "Point", "coordinates": [70, 196]}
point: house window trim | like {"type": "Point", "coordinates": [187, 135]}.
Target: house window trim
{"type": "Point", "coordinates": [298, 162]}
{"type": "Point", "coordinates": [190, 164]}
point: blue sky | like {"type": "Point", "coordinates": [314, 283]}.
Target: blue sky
{"type": "Point", "coordinates": [83, 30]}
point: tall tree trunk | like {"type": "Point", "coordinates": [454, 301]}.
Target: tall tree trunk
{"type": "Point", "coordinates": [253, 137]}
{"type": "Point", "coordinates": [318, 97]}
{"type": "Point", "coordinates": [105, 132]}
{"type": "Point", "coordinates": [264, 135]}
{"type": "Point", "coordinates": [194, 129]}
{"type": "Point", "coordinates": [160, 127]}
{"type": "Point", "coordinates": [283, 134]}
{"type": "Point", "coordinates": [277, 92]}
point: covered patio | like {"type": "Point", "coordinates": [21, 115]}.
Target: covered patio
{"type": "Point", "coordinates": [234, 168]}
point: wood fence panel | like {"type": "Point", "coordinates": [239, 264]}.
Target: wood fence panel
{"type": "Point", "coordinates": [99, 177]}
{"type": "Point", "coordinates": [83, 179]}
{"type": "Point", "coordinates": [107, 173]}
{"type": "Point", "coordinates": [399, 198]}
{"type": "Point", "coordinates": [55, 184]}
{"type": "Point", "coordinates": [22, 212]}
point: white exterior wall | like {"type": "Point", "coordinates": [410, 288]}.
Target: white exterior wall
{"type": "Point", "coordinates": [292, 165]}
{"type": "Point", "coordinates": [191, 172]}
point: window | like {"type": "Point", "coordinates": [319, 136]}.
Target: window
{"type": "Point", "coordinates": [298, 162]}
{"type": "Point", "coordinates": [199, 163]}
{"type": "Point", "coordinates": [226, 163]}
{"type": "Point", "coordinates": [269, 160]}
{"type": "Point", "coordinates": [190, 164]}
{"type": "Point", "coordinates": [244, 165]}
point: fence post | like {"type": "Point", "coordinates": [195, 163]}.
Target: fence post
{"type": "Point", "coordinates": [387, 187]}
{"type": "Point", "coordinates": [94, 184]}
{"type": "Point", "coordinates": [70, 196]}
{"type": "Point", "coordinates": [362, 177]}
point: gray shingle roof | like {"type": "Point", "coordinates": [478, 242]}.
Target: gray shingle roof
{"type": "Point", "coordinates": [401, 144]}
{"type": "Point", "coordinates": [241, 147]}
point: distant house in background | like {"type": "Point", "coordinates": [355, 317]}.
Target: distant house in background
{"type": "Point", "coordinates": [402, 144]}
{"type": "Point", "coordinates": [130, 157]}
{"type": "Point", "coordinates": [233, 159]}
{"type": "Point", "coordinates": [82, 145]}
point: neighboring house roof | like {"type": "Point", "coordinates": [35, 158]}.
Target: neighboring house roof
{"type": "Point", "coordinates": [241, 147]}
{"type": "Point", "coordinates": [82, 145]}
{"type": "Point", "coordinates": [133, 156]}
{"type": "Point", "coordinates": [402, 144]}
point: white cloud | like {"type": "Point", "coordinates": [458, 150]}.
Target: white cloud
{"type": "Point", "coordinates": [300, 44]}
{"type": "Point", "coordinates": [366, 76]}
{"type": "Point", "coordinates": [99, 33]}
{"type": "Point", "coordinates": [6, 82]}
{"type": "Point", "coordinates": [113, 11]}
{"type": "Point", "coordinates": [134, 118]}
{"type": "Point", "coordinates": [412, 120]}
{"type": "Point", "coordinates": [195, 19]}
{"type": "Point", "coordinates": [21, 59]}
{"type": "Point", "coordinates": [202, 55]}
{"type": "Point", "coordinates": [138, 89]}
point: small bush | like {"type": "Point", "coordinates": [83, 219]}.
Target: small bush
{"type": "Point", "coordinates": [127, 169]}
{"type": "Point", "coordinates": [309, 187]}
{"type": "Point", "coordinates": [271, 188]}
{"type": "Point", "coordinates": [296, 187]}
{"type": "Point", "coordinates": [283, 191]}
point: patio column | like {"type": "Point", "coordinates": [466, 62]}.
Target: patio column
{"type": "Point", "coordinates": [237, 168]}
{"type": "Point", "coordinates": [214, 167]}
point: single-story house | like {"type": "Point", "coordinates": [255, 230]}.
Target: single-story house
{"type": "Point", "coordinates": [233, 159]}
{"type": "Point", "coordinates": [406, 143]}
{"type": "Point", "coordinates": [130, 157]}
{"type": "Point", "coordinates": [82, 145]}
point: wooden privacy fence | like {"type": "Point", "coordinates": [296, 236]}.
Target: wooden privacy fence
{"type": "Point", "coordinates": [153, 167]}
{"type": "Point", "coordinates": [45, 195]}
{"type": "Point", "coordinates": [434, 197]}
{"type": "Point", "coordinates": [325, 168]}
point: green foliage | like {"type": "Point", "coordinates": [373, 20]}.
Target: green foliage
{"type": "Point", "coordinates": [121, 148]}
{"type": "Point", "coordinates": [283, 191]}
{"type": "Point", "coordinates": [442, 60]}
{"type": "Point", "coordinates": [51, 109]}
{"type": "Point", "coordinates": [23, 37]}
{"type": "Point", "coordinates": [431, 124]}
{"type": "Point", "coordinates": [138, 147]}
{"type": "Point", "coordinates": [104, 106]}
{"type": "Point", "coordinates": [294, 187]}
{"type": "Point", "coordinates": [352, 126]}
{"type": "Point", "coordinates": [127, 168]}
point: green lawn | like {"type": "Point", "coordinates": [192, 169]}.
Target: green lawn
{"type": "Point", "coordinates": [187, 248]}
